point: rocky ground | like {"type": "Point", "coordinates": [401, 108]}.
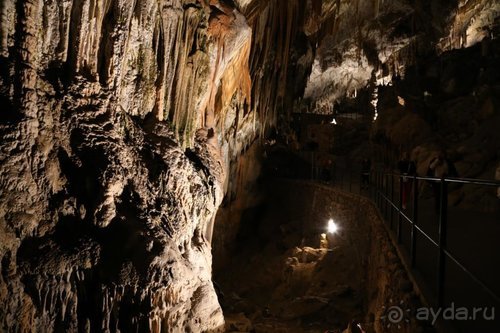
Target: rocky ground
{"type": "Point", "coordinates": [286, 275]}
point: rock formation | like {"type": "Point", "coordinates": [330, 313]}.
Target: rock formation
{"type": "Point", "coordinates": [110, 173]}
{"type": "Point", "coordinates": [383, 38]}
{"type": "Point", "coordinates": [122, 124]}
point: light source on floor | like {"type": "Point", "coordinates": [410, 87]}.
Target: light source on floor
{"type": "Point", "coordinates": [334, 121]}
{"type": "Point", "coordinates": [332, 227]}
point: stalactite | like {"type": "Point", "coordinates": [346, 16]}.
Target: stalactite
{"type": "Point", "coordinates": [82, 159]}
{"type": "Point", "coordinates": [279, 23]}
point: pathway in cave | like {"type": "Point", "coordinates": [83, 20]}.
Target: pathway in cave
{"type": "Point", "coordinates": [471, 239]}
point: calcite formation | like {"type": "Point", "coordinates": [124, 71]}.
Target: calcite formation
{"type": "Point", "coordinates": [121, 124]}
{"type": "Point", "coordinates": [121, 128]}
{"type": "Point", "coordinates": [374, 40]}
{"type": "Point", "coordinates": [110, 171]}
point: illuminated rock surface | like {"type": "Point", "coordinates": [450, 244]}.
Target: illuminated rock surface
{"type": "Point", "coordinates": [125, 124]}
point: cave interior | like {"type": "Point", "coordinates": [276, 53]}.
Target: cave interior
{"type": "Point", "coordinates": [250, 166]}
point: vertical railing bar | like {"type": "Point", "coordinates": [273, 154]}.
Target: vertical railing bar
{"type": "Point", "coordinates": [386, 193]}
{"type": "Point", "coordinates": [413, 249]}
{"type": "Point", "coordinates": [400, 207]}
{"type": "Point", "coordinates": [384, 190]}
{"type": "Point", "coordinates": [392, 200]}
{"type": "Point", "coordinates": [443, 207]}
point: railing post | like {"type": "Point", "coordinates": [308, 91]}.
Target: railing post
{"type": "Point", "coordinates": [443, 210]}
{"type": "Point", "coordinates": [392, 200]}
{"type": "Point", "coordinates": [386, 194]}
{"type": "Point", "coordinates": [373, 186]}
{"type": "Point", "coordinates": [399, 208]}
{"type": "Point", "coordinates": [377, 191]}
{"type": "Point", "coordinates": [312, 165]}
{"type": "Point", "coordinates": [380, 189]}
{"type": "Point", "coordinates": [413, 249]}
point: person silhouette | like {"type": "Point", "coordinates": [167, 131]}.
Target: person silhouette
{"type": "Point", "coordinates": [407, 170]}
{"type": "Point", "coordinates": [440, 167]}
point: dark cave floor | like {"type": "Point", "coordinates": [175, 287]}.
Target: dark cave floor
{"type": "Point", "coordinates": [287, 275]}
{"type": "Point", "coordinates": [281, 285]}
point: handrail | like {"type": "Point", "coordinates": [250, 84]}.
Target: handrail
{"type": "Point", "coordinates": [385, 201]}
{"type": "Point", "coordinates": [472, 276]}
{"type": "Point", "coordinates": [381, 194]}
{"type": "Point", "coordinates": [470, 181]}
{"type": "Point", "coordinates": [410, 221]}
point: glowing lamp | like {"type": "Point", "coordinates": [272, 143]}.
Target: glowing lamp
{"type": "Point", "coordinates": [332, 227]}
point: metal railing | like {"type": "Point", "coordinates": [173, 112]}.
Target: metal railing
{"type": "Point", "coordinates": [384, 195]}
{"type": "Point", "coordinates": [386, 190]}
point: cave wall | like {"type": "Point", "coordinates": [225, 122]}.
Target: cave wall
{"type": "Point", "coordinates": [372, 42]}
{"type": "Point", "coordinates": [122, 128]}
{"type": "Point", "coordinates": [110, 169]}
